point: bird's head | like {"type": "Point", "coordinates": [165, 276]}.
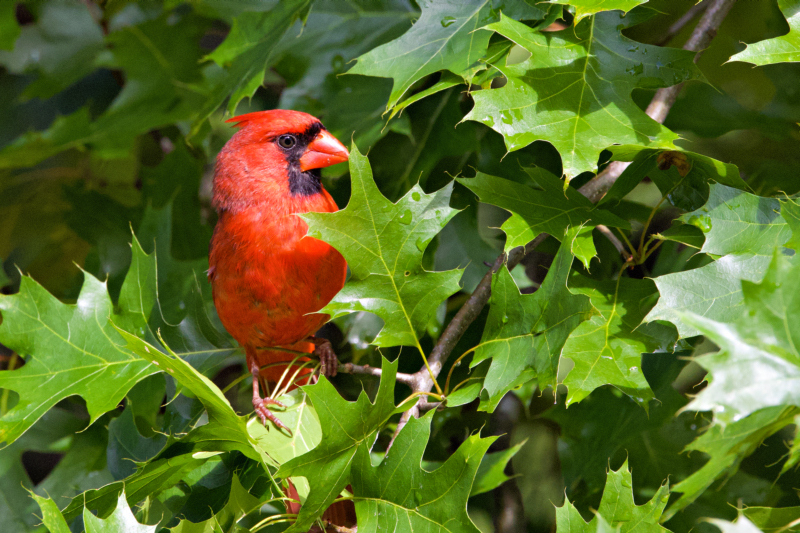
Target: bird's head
{"type": "Point", "coordinates": [274, 153]}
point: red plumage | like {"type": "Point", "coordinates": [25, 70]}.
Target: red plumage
{"type": "Point", "coordinates": [268, 277]}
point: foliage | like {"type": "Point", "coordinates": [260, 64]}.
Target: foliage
{"type": "Point", "coordinates": [637, 372]}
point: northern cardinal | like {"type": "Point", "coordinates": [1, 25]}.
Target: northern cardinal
{"type": "Point", "coordinates": [269, 279]}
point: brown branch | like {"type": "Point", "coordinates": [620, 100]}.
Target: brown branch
{"type": "Point", "coordinates": [594, 190]}
{"type": "Point", "coordinates": [679, 24]}
{"type": "Point", "coordinates": [626, 255]}
{"type": "Point", "coordinates": [350, 368]}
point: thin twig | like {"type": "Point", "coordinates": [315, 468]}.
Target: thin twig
{"type": "Point", "coordinates": [350, 368]}
{"type": "Point", "coordinates": [594, 190]}
{"type": "Point", "coordinates": [626, 255]}
{"type": "Point", "coordinates": [679, 24]}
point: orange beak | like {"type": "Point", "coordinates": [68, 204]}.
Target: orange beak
{"type": "Point", "coordinates": [325, 150]}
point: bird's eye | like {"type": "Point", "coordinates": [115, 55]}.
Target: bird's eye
{"type": "Point", "coordinates": [287, 141]}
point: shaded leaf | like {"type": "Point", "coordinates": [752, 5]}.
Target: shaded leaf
{"type": "Point", "coordinates": [61, 47]}
{"type": "Point", "coordinates": [398, 495]}
{"type": "Point", "coordinates": [574, 90]}
{"type": "Point", "coordinates": [245, 54]}
{"type": "Point", "coordinates": [617, 509]}
{"type": "Point", "coordinates": [727, 446]}
{"type": "Point", "coordinates": [443, 38]}
{"type": "Point", "coordinates": [491, 472]}
{"type": "Point", "coordinates": [683, 177]}
{"type": "Point", "coordinates": [551, 209]}
{"type": "Point", "coordinates": [383, 244]}
{"type": "Point", "coordinates": [785, 48]}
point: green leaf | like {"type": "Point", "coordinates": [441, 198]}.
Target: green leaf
{"type": "Point", "coordinates": [443, 38]}
{"type": "Point", "coordinates": [585, 8]}
{"type": "Point", "coordinates": [223, 420]}
{"type": "Point", "coordinates": [398, 495]}
{"type": "Point", "coordinates": [383, 244]}
{"type": "Point", "coordinates": [245, 55]}
{"type": "Point", "coordinates": [120, 521]}
{"type": "Point", "coordinates": [74, 349]}
{"type": "Point", "coordinates": [551, 209]}
{"type": "Point", "coordinates": [347, 427]}
{"type": "Point", "coordinates": [240, 502]}
{"type": "Point", "coordinates": [785, 48]}
{"type": "Point", "coordinates": [617, 509]}
{"type": "Point", "coordinates": [491, 472]}
{"type": "Point", "coordinates": [524, 334]}
{"type": "Point", "coordinates": [574, 90]}
{"type": "Point", "coordinates": [61, 47]}
{"type": "Point", "coordinates": [771, 519]}
{"type": "Point", "coordinates": [314, 55]}
{"type": "Point", "coordinates": [9, 27]}
{"type": "Point", "coordinates": [681, 176]}
{"type": "Point", "coordinates": [744, 230]}
{"type": "Point", "coordinates": [163, 86]}
{"type": "Point", "coordinates": [51, 516]}
{"type": "Point", "coordinates": [758, 364]}
{"type": "Point", "coordinates": [301, 418]}
{"type": "Point", "coordinates": [607, 349]}
{"type": "Point", "coordinates": [727, 447]}
{"type": "Point", "coordinates": [790, 211]}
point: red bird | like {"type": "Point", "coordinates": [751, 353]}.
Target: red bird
{"type": "Point", "coordinates": [269, 279]}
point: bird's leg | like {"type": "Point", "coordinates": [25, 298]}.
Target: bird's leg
{"type": "Point", "coordinates": [329, 363]}
{"type": "Point", "coordinates": [260, 404]}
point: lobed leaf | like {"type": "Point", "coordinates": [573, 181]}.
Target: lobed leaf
{"type": "Point", "coordinates": [785, 48]}
{"type": "Point", "coordinates": [524, 334]}
{"type": "Point", "coordinates": [443, 38]}
{"type": "Point", "coordinates": [743, 229]}
{"type": "Point", "coordinates": [574, 90]}
{"type": "Point", "coordinates": [347, 427]}
{"type": "Point", "coordinates": [551, 209]}
{"type": "Point", "coordinates": [607, 349]}
{"type": "Point", "coordinates": [398, 495]}
{"type": "Point", "coordinates": [383, 244]}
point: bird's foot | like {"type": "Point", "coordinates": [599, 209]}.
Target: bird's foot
{"type": "Point", "coordinates": [329, 363]}
{"type": "Point", "coordinates": [260, 405]}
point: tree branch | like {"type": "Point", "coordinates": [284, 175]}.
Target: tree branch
{"type": "Point", "coordinates": [350, 368]}
{"type": "Point", "coordinates": [594, 190]}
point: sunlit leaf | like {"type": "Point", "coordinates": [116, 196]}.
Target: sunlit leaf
{"type": "Point", "coordinates": [574, 90]}
{"type": "Point", "coordinates": [383, 244]}
{"type": "Point", "coordinates": [443, 38]}
{"type": "Point", "coordinates": [741, 228]}
{"type": "Point", "coordinates": [524, 334]}
{"type": "Point", "coordinates": [607, 349]}
{"type": "Point", "coordinates": [785, 48]}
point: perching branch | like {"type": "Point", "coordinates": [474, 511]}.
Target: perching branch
{"type": "Point", "coordinates": [350, 368]}
{"type": "Point", "coordinates": [594, 190]}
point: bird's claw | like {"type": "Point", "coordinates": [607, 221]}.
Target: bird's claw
{"type": "Point", "coordinates": [329, 363]}
{"type": "Point", "coordinates": [260, 405]}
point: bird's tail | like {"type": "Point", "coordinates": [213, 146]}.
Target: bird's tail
{"type": "Point", "coordinates": [296, 368]}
